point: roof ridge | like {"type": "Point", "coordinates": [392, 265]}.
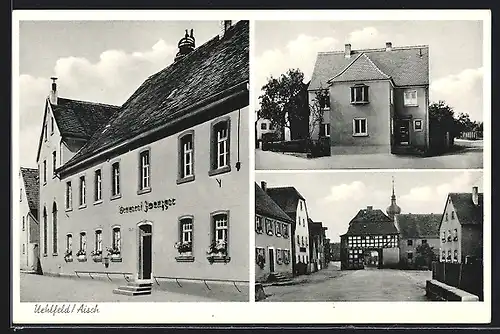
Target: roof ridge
{"type": "Point", "coordinates": [88, 102]}
{"type": "Point", "coordinates": [407, 47]}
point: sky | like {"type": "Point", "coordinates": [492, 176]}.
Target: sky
{"type": "Point", "coordinates": [99, 61]}
{"type": "Point", "coordinates": [455, 52]}
{"type": "Point", "coordinates": [334, 198]}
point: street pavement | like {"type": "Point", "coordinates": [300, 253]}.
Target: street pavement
{"type": "Point", "coordinates": [38, 288]}
{"type": "Point", "coordinates": [469, 155]}
{"type": "Point", "coordinates": [331, 284]}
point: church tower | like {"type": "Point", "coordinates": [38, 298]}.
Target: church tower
{"type": "Point", "coordinates": [393, 209]}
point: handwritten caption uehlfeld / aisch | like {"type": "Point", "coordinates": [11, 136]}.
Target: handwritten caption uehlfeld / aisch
{"type": "Point", "coordinates": [66, 309]}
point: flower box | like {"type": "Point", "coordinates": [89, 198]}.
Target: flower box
{"type": "Point", "coordinates": [82, 258]}
{"type": "Point", "coordinates": [184, 247]}
{"type": "Point", "coordinates": [218, 258]}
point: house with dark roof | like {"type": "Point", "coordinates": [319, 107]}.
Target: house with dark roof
{"type": "Point", "coordinates": [29, 226]}
{"type": "Point", "coordinates": [317, 237]}
{"type": "Point", "coordinates": [294, 205]}
{"type": "Point", "coordinates": [378, 99]}
{"type": "Point", "coordinates": [461, 228]}
{"type": "Point", "coordinates": [156, 188]}
{"type": "Point", "coordinates": [371, 240]}
{"type": "Point", "coordinates": [416, 230]}
{"type": "Point", "coordinates": [273, 239]}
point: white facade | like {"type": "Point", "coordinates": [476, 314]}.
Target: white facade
{"type": "Point", "coordinates": [302, 234]}
{"type": "Point", "coordinates": [449, 235]}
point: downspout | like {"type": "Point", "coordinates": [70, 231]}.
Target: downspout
{"type": "Point", "coordinates": [238, 163]}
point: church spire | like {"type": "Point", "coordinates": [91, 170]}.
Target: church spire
{"type": "Point", "coordinates": [393, 209]}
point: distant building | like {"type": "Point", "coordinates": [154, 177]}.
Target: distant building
{"type": "Point", "coordinates": [378, 99]}
{"type": "Point", "coordinates": [273, 237]}
{"type": "Point", "coordinates": [416, 230]}
{"type": "Point", "coordinates": [294, 205]}
{"type": "Point", "coordinates": [317, 238]}
{"type": "Point", "coordinates": [461, 228]}
{"type": "Point", "coordinates": [264, 126]}
{"type": "Point", "coordinates": [335, 251]}
{"type": "Point", "coordinates": [30, 229]}
{"type": "Point", "coordinates": [372, 239]}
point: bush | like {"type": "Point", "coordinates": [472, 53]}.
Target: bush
{"type": "Point", "coordinates": [271, 137]}
{"type": "Point", "coordinates": [295, 146]}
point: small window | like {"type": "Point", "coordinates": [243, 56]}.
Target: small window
{"type": "Point", "coordinates": [258, 224]}
{"type": "Point", "coordinates": [45, 131]}
{"type": "Point", "coordinates": [455, 234]}
{"type": "Point", "coordinates": [298, 240]}
{"type": "Point", "coordinates": [24, 224]}
{"type": "Point", "coordinates": [448, 258]}
{"type": "Point", "coordinates": [359, 94]}
{"type": "Point", "coordinates": [417, 124]}
{"type": "Point", "coordinates": [285, 230]}
{"type": "Point", "coordinates": [115, 180]}
{"type": "Point", "coordinates": [300, 205]}
{"type": "Point", "coordinates": [324, 130]}
{"type": "Point", "coordinates": [98, 242]}
{"type": "Point", "coordinates": [54, 163]}
{"type": "Point", "coordinates": [185, 244]}
{"type": "Point", "coordinates": [279, 258]}
{"type": "Point", "coordinates": [410, 98]}
{"type": "Point", "coordinates": [410, 242]}
{"type": "Point", "coordinates": [302, 239]}
{"type": "Point", "coordinates": [186, 157]}
{"type": "Point", "coordinates": [446, 216]}
{"type": "Point", "coordinates": [44, 171]}
{"type": "Point", "coordinates": [424, 241]}
{"type": "Point", "coordinates": [69, 243]}
{"type": "Point", "coordinates": [391, 95]}
{"type": "Point", "coordinates": [269, 226]}
{"type": "Point", "coordinates": [263, 126]}
{"type": "Point", "coordinates": [54, 229]}
{"type": "Point", "coordinates": [83, 244]}
{"type": "Point", "coordinates": [453, 215]}
{"type": "Point", "coordinates": [144, 171]}
{"type": "Point", "coordinates": [277, 227]}
{"type": "Point", "coordinates": [455, 255]}
{"type": "Point", "coordinates": [220, 225]}
{"type": "Point", "coordinates": [116, 244]}
{"type": "Point", "coordinates": [24, 248]}
{"type": "Point", "coordinates": [69, 196]}
{"type": "Point", "coordinates": [324, 102]}
{"type": "Point", "coordinates": [51, 125]}
{"type": "Point", "coordinates": [220, 147]}
{"type": "Point", "coordinates": [97, 185]}
{"type": "Point", "coordinates": [260, 256]}
{"type": "Point", "coordinates": [443, 236]}
{"type": "Point", "coordinates": [443, 255]}
{"type": "Point", "coordinates": [359, 127]}
{"type": "Point", "coordinates": [82, 201]}
{"type": "Point", "coordinates": [410, 255]}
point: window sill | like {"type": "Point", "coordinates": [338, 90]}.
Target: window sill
{"type": "Point", "coordinates": [184, 258]}
{"type": "Point", "coordinates": [259, 231]}
{"type": "Point", "coordinates": [360, 134]}
{"type": "Point", "coordinates": [44, 255]}
{"type": "Point", "coordinates": [218, 259]}
{"type": "Point", "coordinates": [54, 254]}
{"type": "Point", "coordinates": [82, 206]}
{"type": "Point", "coordinates": [218, 171]}
{"type": "Point", "coordinates": [98, 202]}
{"type": "Point", "coordinates": [411, 105]}
{"type": "Point", "coordinates": [115, 197]}
{"type": "Point", "coordinates": [115, 259]}
{"type": "Point", "coordinates": [185, 179]}
{"type": "Point", "coordinates": [69, 210]}
{"type": "Point", "coordinates": [359, 102]}
{"type": "Point", "coordinates": [144, 191]}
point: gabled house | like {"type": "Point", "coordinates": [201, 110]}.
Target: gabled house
{"type": "Point", "coordinates": [294, 205]}
{"type": "Point", "coordinates": [273, 238]}
{"type": "Point", "coordinates": [29, 226]}
{"type": "Point", "coordinates": [378, 99]}
{"type": "Point", "coordinates": [317, 237]}
{"type": "Point", "coordinates": [461, 228]}
{"type": "Point", "coordinates": [415, 230]}
{"type": "Point", "coordinates": [371, 240]}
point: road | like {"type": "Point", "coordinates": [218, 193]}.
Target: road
{"type": "Point", "coordinates": [355, 285]}
{"type": "Point", "coordinates": [469, 156]}
{"type": "Point", "coordinates": [38, 288]}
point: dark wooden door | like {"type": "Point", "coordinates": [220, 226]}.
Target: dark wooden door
{"type": "Point", "coordinates": [271, 260]}
{"type": "Point", "coordinates": [403, 132]}
{"type": "Point", "coordinates": [145, 252]}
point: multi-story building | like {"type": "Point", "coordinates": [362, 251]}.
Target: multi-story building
{"type": "Point", "coordinates": [317, 238]}
{"type": "Point", "coordinates": [461, 228]}
{"type": "Point", "coordinates": [294, 205]}
{"type": "Point", "coordinates": [155, 188]}
{"type": "Point", "coordinates": [377, 99]}
{"type": "Point", "coordinates": [30, 229]}
{"type": "Point", "coordinates": [273, 238]}
{"type": "Point", "coordinates": [416, 230]}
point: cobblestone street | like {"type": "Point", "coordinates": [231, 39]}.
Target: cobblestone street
{"type": "Point", "coordinates": [331, 284]}
{"type": "Point", "coordinates": [38, 288]}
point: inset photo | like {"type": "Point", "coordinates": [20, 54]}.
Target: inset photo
{"type": "Point", "coordinates": [132, 141]}
{"type": "Point", "coordinates": [349, 236]}
{"type": "Point", "coordinates": [368, 94]}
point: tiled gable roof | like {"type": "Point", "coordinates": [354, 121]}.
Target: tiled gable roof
{"type": "Point", "coordinates": [80, 118]}
{"type": "Point", "coordinates": [406, 66]}
{"type": "Point", "coordinates": [361, 68]}
{"type": "Point", "coordinates": [207, 73]}
{"type": "Point", "coordinates": [414, 226]}
{"type": "Point", "coordinates": [31, 187]}
{"type": "Point", "coordinates": [286, 197]}
{"type": "Point", "coordinates": [370, 222]}
{"type": "Point", "coordinates": [467, 212]}
{"type": "Point", "coordinates": [265, 206]}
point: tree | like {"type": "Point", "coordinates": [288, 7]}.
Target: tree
{"type": "Point", "coordinates": [317, 109]}
{"type": "Point", "coordinates": [424, 256]}
{"type": "Point", "coordinates": [283, 101]}
{"type": "Point", "coordinates": [441, 116]}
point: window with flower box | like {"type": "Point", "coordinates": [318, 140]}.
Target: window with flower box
{"type": "Point", "coordinates": [185, 244]}
{"type": "Point", "coordinates": [443, 236]}
{"type": "Point", "coordinates": [448, 258]}
{"type": "Point", "coordinates": [443, 255]}
{"type": "Point", "coordinates": [269, 226]}
{"type": "Point", "coordinates": [82, 252]}
{"type": "Point", "coordinates": [258, 224]}
{"type": "Point", "coordinates": [279, 256]}
{"type": "Point", "coordinates": [114, 252]}
{"type": "Point", "coordinates": [286, 256]}
{"type": "Point", "coordinates": [284, 229]}
{"type": "Point", "coordinates": [455, 235]}
{"type": "Point", "coordinates": [455, 255]}
{"type": "Point", "coordinates": [68, 254]}
{"type": "Point", "coordinates": [277, 227]}
{"type": "Point", "coordinates": [219, 248]}
{"type": "Point", "coordinates": [97, 252]}
{"type": "Point", "coordinates": [449, 235]}
{"type": "Point", "coordinates": [260, 257]}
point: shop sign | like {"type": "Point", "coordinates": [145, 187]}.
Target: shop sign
{"type": "Point", "coordinates": [146, 206]}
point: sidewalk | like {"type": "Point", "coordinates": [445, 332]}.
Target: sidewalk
{"type": "Point", "coordinates": [332, 271]}
{"type": "Point", "coordinates": [39, 288]}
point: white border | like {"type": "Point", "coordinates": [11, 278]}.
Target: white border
{"type": "Point", "coordinates": [293, 313]}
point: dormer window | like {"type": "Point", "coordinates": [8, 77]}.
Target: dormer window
{"type": "Point", "coordinates": [359, 94]}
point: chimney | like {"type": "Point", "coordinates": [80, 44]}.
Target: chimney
{"type": "Point", "coordinates": [224, 26]}
{"type": "Point", "coordinates": [347, 52]}
{"type": "Point", "coordinates": [263, 185]}
{"type": "Point", "coordinates": [475, 196]}
{"type": "Point", "coordinates": [186, 45]}
{"type": "Point", "coordinates": [369, 208]}
{"type": "Point", "coordinates": [53, 91]}
{"type": "Point", "coordinates": [388, 46]}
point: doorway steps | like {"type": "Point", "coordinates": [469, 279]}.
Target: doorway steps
{"type": "Point", "coordinates": [134, 289]}
{"type": "Point", "coordinates": [279, 279]}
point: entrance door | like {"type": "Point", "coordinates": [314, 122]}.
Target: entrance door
{"type": "Point", "coordinates": [403, 132]}
{"type": "Point", "coordinates": [145, 252]}
{"type": "Point", "coordinates": [271, 260]}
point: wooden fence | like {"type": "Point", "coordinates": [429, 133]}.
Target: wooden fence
{"type": "Point", "coordinates": [467, 277]}
{"type": "Point", "coordinates": [472, 135]}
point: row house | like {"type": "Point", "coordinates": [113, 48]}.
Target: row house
{"type": "Point", "coordinates": [294, 205]}
{"type": "Point", "coordinates": [317, 237]}
{"type": "Point", "coordinates": [461, 228]}
{"type": "Point", "coordinates": [153, 188]}
{"type": "Point", "coordinates": [273, 238]}
{"type": "Point", "coordinates": [30, 229]}
{"type": "Point", "coordinates": [377, 99]}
